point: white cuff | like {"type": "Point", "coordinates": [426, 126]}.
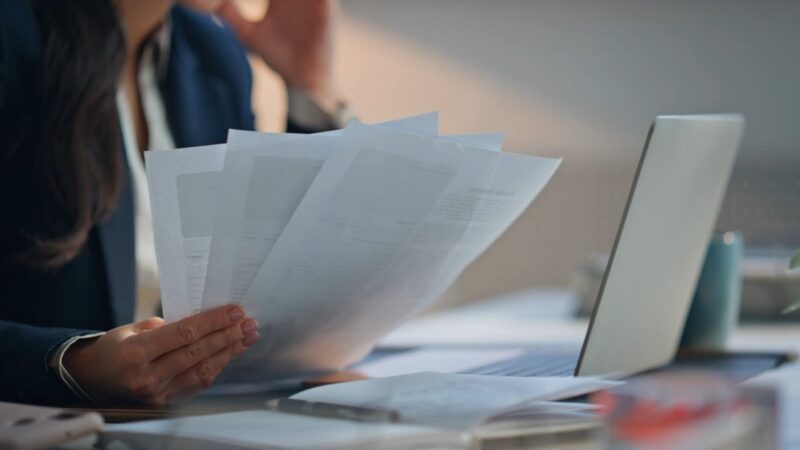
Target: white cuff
{"type": "Point", "coordinates": [58, 364]}
{"type": "Point", "coordinates": [306, 112]}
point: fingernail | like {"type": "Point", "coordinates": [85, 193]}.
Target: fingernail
{"type": "Point", "coordinates": [236, 313]}
{"type": "Point", "coordinates": [249, 326]}
{"type": "Point", "coordinates": [250, 339]}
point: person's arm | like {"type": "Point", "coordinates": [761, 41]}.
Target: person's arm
{"type": "Point", "coordinates": [157, 363]}
{"type": "Point", "coordinates": [25, 375]}
{"type": "Point", "coordinates": [146, 362]}
{"type": "Point", "coordinates": [296, 39]}
{"type": "Point", "coordinates": [26, 351]}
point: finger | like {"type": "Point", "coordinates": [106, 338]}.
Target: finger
{"type": "Point", "coordinates": [175, 335]}
{"type": "Point", "coordinates": [202, 375]}
{"type": "Point", "coordinates": [243, 27]}
{"type": "Point", "coordinates": [171, 364]}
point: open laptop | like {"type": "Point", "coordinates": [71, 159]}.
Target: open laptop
{"type": "Point", "coordinates": [645, 296]}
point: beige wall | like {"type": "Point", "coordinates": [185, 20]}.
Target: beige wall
{"type": "Point", "coordinates": [564, 79]}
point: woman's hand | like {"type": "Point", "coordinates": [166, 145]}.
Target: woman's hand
{"type": "Point", "coordinates": [295, 38]}
{"type": "Point", "coordinates": [156, 363]}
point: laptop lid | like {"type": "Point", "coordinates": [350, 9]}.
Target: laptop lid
{"type": "Point", "coordinates": [661, 244]}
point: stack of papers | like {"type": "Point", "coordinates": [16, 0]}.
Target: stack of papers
{"type": "Point", "coordinates": [268, 430]}
{"type": "Point", "coordinates": [457, 401]}
{"type": "Point", "coordinates": [443, 411]}
{"type": "Point", "coordinates": [330, 240]}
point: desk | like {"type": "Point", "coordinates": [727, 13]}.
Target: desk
{"type": "Point", "coordinates": [527, 318]}
{"type": "Point", "coordinates": [546, 316]}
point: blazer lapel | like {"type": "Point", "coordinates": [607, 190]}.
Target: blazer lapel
{"type": "Point", "coordinates": [199, 106]}
{"type": "Point", "coordinates": [200, 109]}
{"type": "Point", "coordinates": [119, 253]}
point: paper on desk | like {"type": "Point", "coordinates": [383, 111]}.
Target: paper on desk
{"type": "Point", "coordinates": [183, 194]}
{"type": "Point", "coordinates": [261, 429]}
{"type": "Point", "coordinates": [387, 225]}
{"type": "Point", "coordinates": [452, 400]}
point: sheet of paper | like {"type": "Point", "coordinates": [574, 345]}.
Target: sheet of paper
{"type": "Point", "coordinates": [265, 177]}
{"type": "Point", "coordinates": [452, 400]}
{"type": "Point", "coordinates": [182, 189]}
{"type": "Point", "coordinates": [259, 191]}
{"type": "Point", "coordinates": [387, 225]}
{"type": "Point", "coordinates": [183, 193]}
{"type": "Point", "coordinates": [260, 429]}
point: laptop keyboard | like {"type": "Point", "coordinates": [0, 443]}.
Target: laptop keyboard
{"type": "Point", "coordinates": [532, 364]}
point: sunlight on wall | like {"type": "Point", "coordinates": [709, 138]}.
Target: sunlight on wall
{"type": "Point", "coordinates": [384, 77]}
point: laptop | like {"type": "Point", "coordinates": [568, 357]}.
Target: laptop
{"type": "Point", "coordinates": [658, 252]}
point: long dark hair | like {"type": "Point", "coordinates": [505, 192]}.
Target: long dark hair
{"type": "Point", "coordinates": [78, 165]}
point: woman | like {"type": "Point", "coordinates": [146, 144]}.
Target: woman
{"type": "Point", "coordinates": [84, 87]}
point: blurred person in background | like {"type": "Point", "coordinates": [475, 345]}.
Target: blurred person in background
{"type": "Point", "coordinates": [85, 87]}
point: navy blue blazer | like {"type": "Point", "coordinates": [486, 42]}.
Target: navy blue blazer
{"type": "Point", "coordinates": [207, 91]}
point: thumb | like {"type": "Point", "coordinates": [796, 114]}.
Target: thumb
{"type": "Point", "coordinates": [147, 324]}
{"type": "Point", "coordinates": [243, 27]}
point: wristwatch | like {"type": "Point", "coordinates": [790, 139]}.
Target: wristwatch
{"type": "Point", "coordinates": [306, 112]}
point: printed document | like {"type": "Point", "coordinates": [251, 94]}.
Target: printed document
{"type": "Point", "coordinates": [265, 177]}
{"type": "Point", "coordinates": [183, 186]}
{"type": "Point", "coordinates": [261, 188]}
{"type": "Point", "coordinates": [183, 194]}
{"type": "Point", "coordinates": [330, 240]}
{"type": "Point", "coordinates": [389, 222]}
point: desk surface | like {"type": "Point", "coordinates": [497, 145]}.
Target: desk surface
{"type": "Point", "coordinates": [546, 316]}
{"type": "Point", "coordinates": [542, 316]}
{"type": "Point", "coordinates": [528, 318]}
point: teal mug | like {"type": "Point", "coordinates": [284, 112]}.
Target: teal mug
{"type": "Point", "coordinates": [714, 312]}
